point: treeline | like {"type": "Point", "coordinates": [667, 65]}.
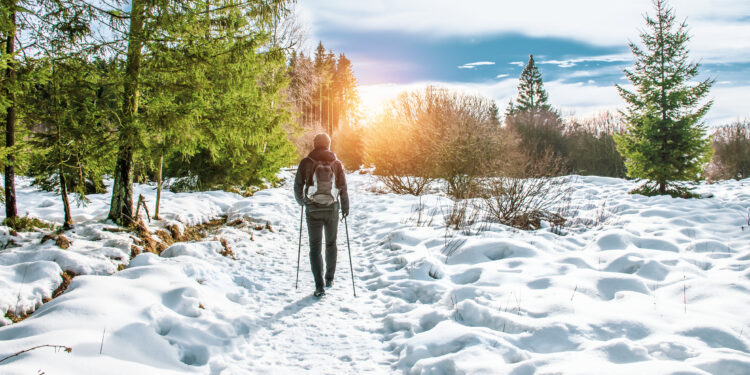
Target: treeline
{"type": "Point", "coordinates": [191, 90]}
{"type": "Point", "coordinates": [323, 93]}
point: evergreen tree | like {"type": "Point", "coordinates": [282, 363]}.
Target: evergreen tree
{"type": "Point", "coordinates": [71, 118]}
{"type": "Point", "coordinates": [302, 87]}
{"type": "Point", "coordinates": [161, 32]}
{"type": "Point", "coordinates": [531, 93]}
{"type": "Point", "coordinates": [665, 140]}
{"type": "Point", "coordinates": [46, 26]}
{"type": "Point", "coordinates": [215, 101]}
{"type": "Point", "coordinates": [346, 96]}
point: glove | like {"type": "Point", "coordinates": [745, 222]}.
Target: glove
{"type": "Point", "coordinates": [345, 212]}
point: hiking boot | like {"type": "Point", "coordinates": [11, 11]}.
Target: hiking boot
{"type": "Point", "coordinates": [329, 283]}
{"type": "Point", "coordinates": [319, 292]}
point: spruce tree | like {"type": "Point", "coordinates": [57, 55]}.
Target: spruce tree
{"type": "Point", "coordinates": [531, 93]}
{"type": "Point", "coordinates": [152, 31]}
{"type": "Point", "coordinates": [35, 27]}
{"type": "Point", "coordinates": [71, 113]}
{"type": "Point", "coordinates": [214, 100]}
{"type": "Point", "coordinates": [665, 140]}
{"type": "Point", "coordinates": [346, 96]}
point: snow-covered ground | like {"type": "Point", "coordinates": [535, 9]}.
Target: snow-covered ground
{"type": "Point", "coordinates": [660, 286]}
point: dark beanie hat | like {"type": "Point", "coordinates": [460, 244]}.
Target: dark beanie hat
{"type": "Point", "coordinates": [322, 140]}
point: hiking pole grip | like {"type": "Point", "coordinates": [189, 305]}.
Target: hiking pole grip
{"type": "Point", "coordinates": [299, 248]}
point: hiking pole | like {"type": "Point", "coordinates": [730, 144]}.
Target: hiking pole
{"type": "Point", "coordinates": [350, 255]}
{"type": "Point", "coordinates": [299, 249]}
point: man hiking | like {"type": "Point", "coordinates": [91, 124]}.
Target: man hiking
{"type": "Point", "coordinates": [319, 186]}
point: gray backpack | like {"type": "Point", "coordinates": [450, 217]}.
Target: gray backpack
{"type": "Point", "coordinates": [321, 183]}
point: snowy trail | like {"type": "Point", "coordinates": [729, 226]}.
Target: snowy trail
{"type": "Point", "coordinates": [296, 332]}
{"type": "Point", "coordinates": [218, 316]}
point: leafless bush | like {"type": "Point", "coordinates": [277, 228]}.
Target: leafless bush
{"type": "Point", "coordinates": [414, 185]}
{"type": "Point", "coordinates": [452, 246]}
{"type": "Point", "coordinates": [463, 215]}
{"type": "Point", "coordinates": [527, 197]}
{"type": "Point", "coordinates": [731, 159]}
{"type": "Point", "coordinates": [436, 134]}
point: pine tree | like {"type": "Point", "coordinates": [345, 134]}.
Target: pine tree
{"type": "Point", "coordinates": [346, 96]}
{"type": "Point", "coordinates": [214, 100]}
{"type": "Point", "coordinates": [156, 27]}
{"type": "Point", "coordinates": [665, 140]}
{"type": "Point", "coordinates": [531, 93]}
{"type": "Point", "coordinates": [71, 116]}
{"type": "Point", "coordinates": [302, 87]}
{"type": "Point", "coordinates": [45, 26]}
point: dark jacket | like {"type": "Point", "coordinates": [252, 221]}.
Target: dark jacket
{"type": "Point", "coordinates": [304, 170]}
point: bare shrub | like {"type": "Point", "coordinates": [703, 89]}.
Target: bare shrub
{"type": "Point", "coordinates": [436, 133]}
{"type": "Point", "coordinates": [463, 215]}
{"type": "Point", "coordinates": [731, 158]}
{"type": "Point", "coordinates": [524, 197]}
{"type": "Point", "coordinates": [421, 217]}
{"type": "Point", "coordinates": [470, 142]}
{"type": "Point", "coordinates": [414, 185]}
{"type": "Point", "coordinates": [396, 146]}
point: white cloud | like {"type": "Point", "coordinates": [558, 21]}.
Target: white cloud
{"type": "Point", "coordinates": [717, 33]}
{"type": "Point", "coordinates": [476, 64]}
{"type": "Point", "coordinates": [573, 62]}
{"type": "Point", "coordinates": [517, 63]}
{"type": "Point", "coordinates": [501, 76]}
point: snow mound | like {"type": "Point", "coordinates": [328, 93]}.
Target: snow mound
{"type": "Point", "coordinates": [655, 285]}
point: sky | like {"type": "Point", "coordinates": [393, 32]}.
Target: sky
{"type": "Point", "coordinates": [481, 46]}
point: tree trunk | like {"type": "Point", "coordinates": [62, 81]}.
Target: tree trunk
{"type": "Point", "coordinates": [158, 188]}
{"type": "Point", "coordinates": [68, 221]}
{"type": "Point", "coordinates": [10, 122]}
{"type": "Point", "coordinates": [121, 208]}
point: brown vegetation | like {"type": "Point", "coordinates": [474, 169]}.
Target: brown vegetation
{"type": "Point", "coordinates": [731, 158]}
{"type": "Point", "coordinates": [227, 251]}
{"type": "Point", "coordinates": [60, 240]}
{"type": "Point", "coordinates": [437, 134]}
{"type": "Point", "coordinates": [523, 197]}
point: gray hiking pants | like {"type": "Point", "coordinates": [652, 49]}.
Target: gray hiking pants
{"type": "Point", "coordinates": [320, 221]}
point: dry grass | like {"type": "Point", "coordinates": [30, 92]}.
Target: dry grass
{"type": "Point", "coordinates": [63, 242]}
{"type": "Point", "coordinates": [227, 251]}
{"type": "Point", "coordinates": [60, 240]}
